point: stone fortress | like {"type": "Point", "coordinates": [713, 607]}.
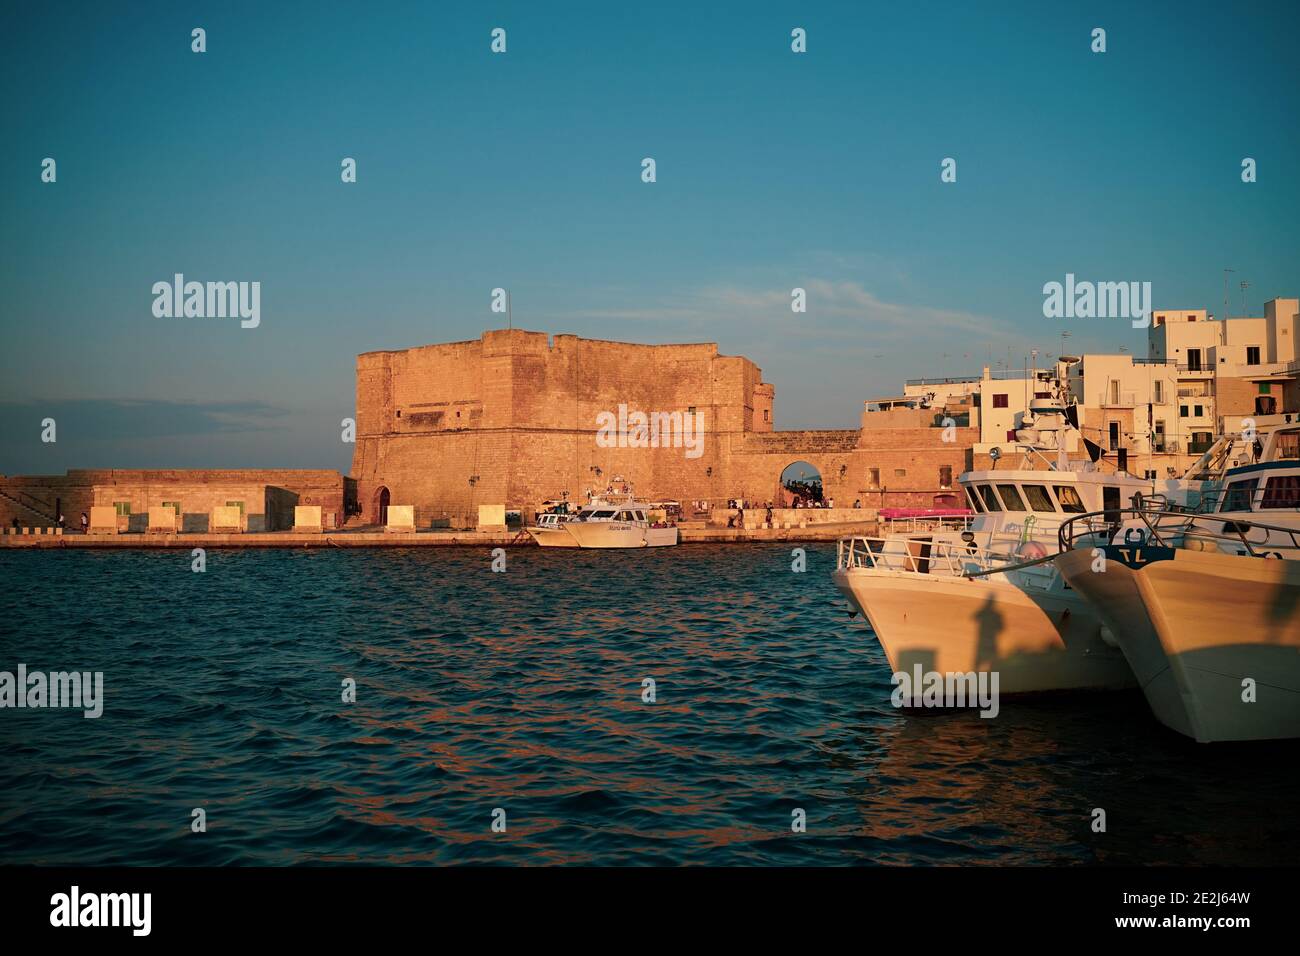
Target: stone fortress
{"type": "Point", "coordinates": [513, 417]}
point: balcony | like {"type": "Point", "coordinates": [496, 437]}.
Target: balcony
{"type": "Point", "coordinates": [1117, 399]}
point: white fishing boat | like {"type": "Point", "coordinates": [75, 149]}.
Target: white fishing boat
{"type": "Point", "coordinates": [1206, 606]}
{"type": "Point", "coordinates": [989, 598]}
{"type": "Point", "coordinates": [613, 520]}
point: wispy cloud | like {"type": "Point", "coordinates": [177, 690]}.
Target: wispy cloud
{"type": "Point", "coordinates": [843, 310]}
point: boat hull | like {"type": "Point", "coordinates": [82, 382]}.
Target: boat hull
{"type": "Point", "coordinates": [1195, 626]}
{"type": "Point", "coordinates": [615, 534]}
{"type": "Point", "coordinates": [1035, 641]}
{"type": "Point", "coordinates": [553, 537]}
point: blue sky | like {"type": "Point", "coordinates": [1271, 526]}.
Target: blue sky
{"type": "Point", "coordinates": [522, 170]}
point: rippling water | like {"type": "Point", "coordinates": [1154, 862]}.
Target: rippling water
{"type": "Point", "coordinates": [522, 690]}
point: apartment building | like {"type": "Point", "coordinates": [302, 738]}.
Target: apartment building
{"type": "Point", "coordinates": [1231, 368]}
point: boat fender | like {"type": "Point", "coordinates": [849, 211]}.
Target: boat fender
{"type": "Point", "coordinates": [1031, 551]}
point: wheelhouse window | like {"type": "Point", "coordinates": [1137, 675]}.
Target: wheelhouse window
{"type": "Point", "coordinates": [1281, 491]}
{"type": "Point", "coordinates": [602, 514]}
{"type": "Point", "coordinates": [1012, 498]}
{"type": "Point", "coordinates": [991, 502]}
{"type": "Point", "coordinates": [1069, 498]}
{"type": "Point", "coordinates": [974, 500]}
{"type": "Point", "coordinates": [1038, 498]}
{"type": "Point", "coordinates": [1238, 495]}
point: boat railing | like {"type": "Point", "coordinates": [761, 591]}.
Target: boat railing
{"type": "Point", "coordinates": [1171, 529]}
{"type": "Point", "coordinates": [939, 558]}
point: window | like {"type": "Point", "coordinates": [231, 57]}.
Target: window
{"type": "Point", "coordinates": [1012, 498]}
{"type": "Point", "coordinates": [991, 502]}
{"type": "Point", "coordinates": [1238, 495]}
{"type": "Point", "coordinates": [1282, 491]}
{"type": "Point", "coordinates": [1149, 474]}
{"type": "Point", "coordinates": [1000, 400]}
{"type": "Point", "coordinates": [1198, 410]}
{"type": "Point", "coordinates": [1288, 446]}
{"type": "Point", "coordinates": [875, 477]}
{"type": "Point", "coordinates": [1114, 435]}
{"type": "Point", "coordinates": [900, 472]}
{"type": "Point", "coordinates": [1110, 501]}
{"type": "Point", "coordinates": [236, 504]}
{"type": "Point", "coordinates": [1193, 360]}
{"type": "Point", "coordinates": [766, 415]}
{"type": "Point", "coordinates": [123, 508]}
{"type": "Point", "coordinates": [1182, 411]}
{"type": "Point", "coordinates": [1069, 499]}
{"type": "Point", "coordinates": [1252, 354]}
{"type": "Point", "coordinates": [1039, 499]}
{"type": "Point", "coordinates": [174, 505]}
{"type": "Point", "coordinates": [1159, 395]}
{"type": "Point", "coordinates": [974, 500]}
{"type": "Point", "coordinates": [945, 476]}
{"type": "Point", "coordinates": [690, 410]}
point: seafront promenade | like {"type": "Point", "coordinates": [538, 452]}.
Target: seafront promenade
{"type": "Point", "coordinates": [367, 538]}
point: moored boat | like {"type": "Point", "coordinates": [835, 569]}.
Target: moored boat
{"type": "Point", "coordinates": [989, 598]}
{"type": "Point", "coordinates": [608, 521]}
{"type": "Point", "coordinates": [1206, 607]}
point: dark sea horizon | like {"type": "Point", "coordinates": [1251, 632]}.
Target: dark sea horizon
{"type": "Point", "coordinates": [522, 691]}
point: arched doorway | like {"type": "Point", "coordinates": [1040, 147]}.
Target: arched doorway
{"type": "Point", "coordinates": [381, 505]}
{"type": "Point", "coordinates": [801, 482]}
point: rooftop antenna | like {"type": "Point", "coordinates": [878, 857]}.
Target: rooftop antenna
{"type": "Point", "coordinates": [510, 319]}
{"type": "Point", "coordinates": [1244, 286]}
{"type": "Point", "coordinates": [1225, 291]}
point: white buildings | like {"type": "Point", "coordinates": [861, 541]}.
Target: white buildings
{"type": "Point", "coordinates": [1201, 377]}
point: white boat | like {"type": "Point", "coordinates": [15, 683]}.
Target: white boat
{"type": "Point", "coordinates": [610, 521]}
{"type": "Point", "coordinates": [1206, 606]}
{"type": "Point", "coordinates": [971, 601]}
